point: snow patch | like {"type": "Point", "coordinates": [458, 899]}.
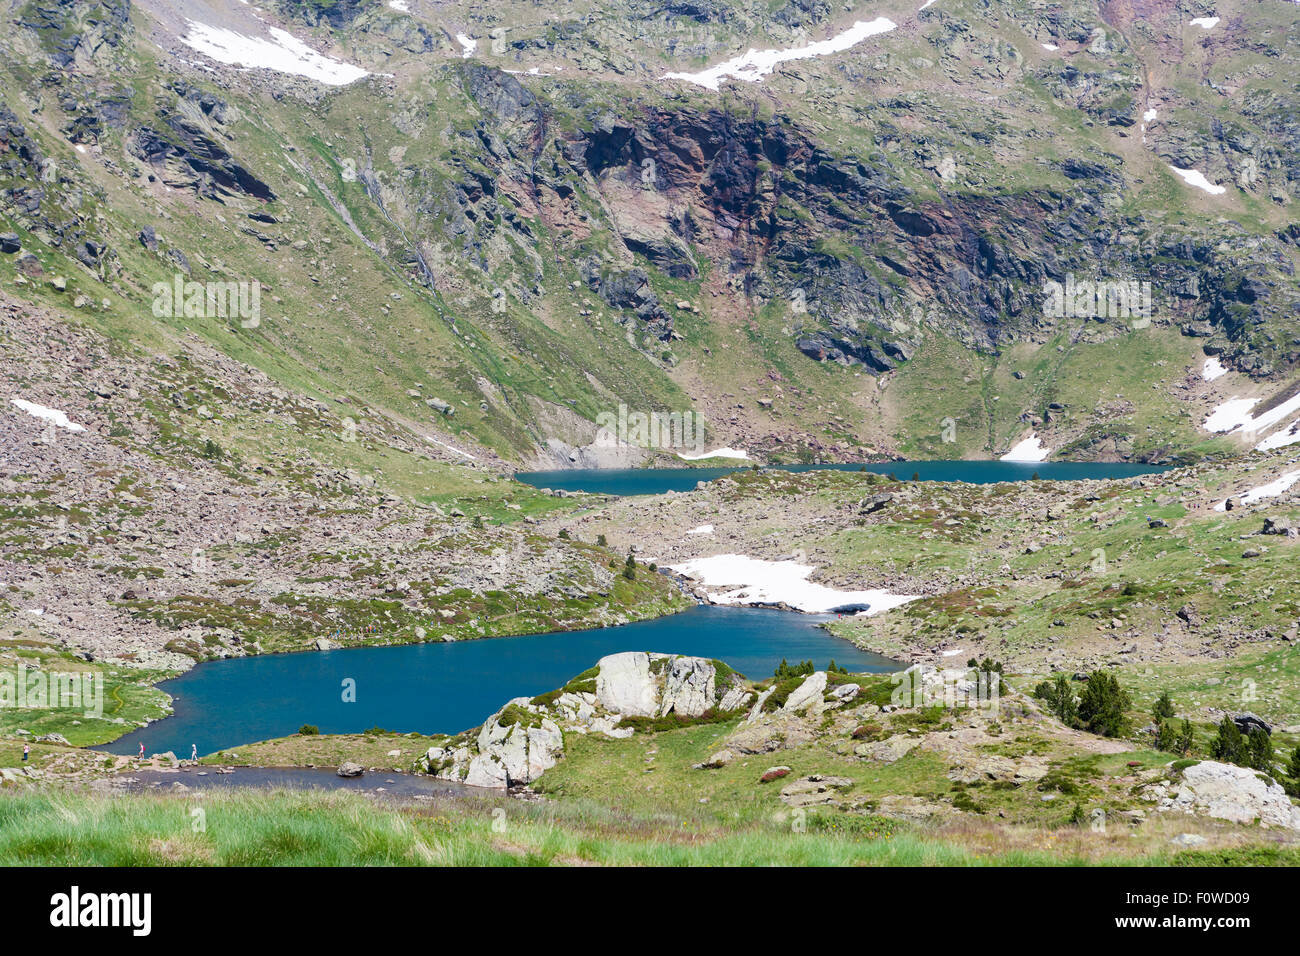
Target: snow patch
{"type": "Point", "coordinates": [755, 581]}
{"type": "Point", "coordinates": [1270, 490]}
{"type": "Point", "coordinates": [467, 45]}
{"type": "Point", "coordinates": [1205, 23]}
{"type": "Point", "coordinates": [401, 6]}
{"type": "Point", "coordinates": [1213, 369]}
{"type": "Point", "coordinates": [283, 53]}
{"type": "Point", "coordinates": [756, 64]}
{"type": "Point", "coordinates": [1194, 177]}
{"type": "Point", "coordinates": [926, 4]}
{"type": "Point", "coordinates": [450, 447]}
{"type": "Point", "coordinates": [1281, 438]}
{"type": "Point", "coordinates": [1050, 47]}
{"type": "Point", "coordinates": [1235, 413]}
{"type": "Point", "coordinates": [702, 529]}
{"type": "Point", "coordinates": [719, 453]}
{"type": "Point", "coordinates": [52, 415]}
{"type": "Point", "coordinates": [1031, 449]}
{"type": "Point", "coordinates": [1149, 115]}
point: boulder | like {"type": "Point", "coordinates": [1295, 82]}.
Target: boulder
{"type": "Point", "coordinates": [1246, 722]}
{"type": "Point", "coordinates": [846, 692]}
{"type": "Point", "coordinates": [486, 771]}
{"type": "Point", "coordinates": [813, 790]}
{"type": "Point", "coordinates": [624, 684]}
{"type": "Point", "coordinates": [1236, 794]}
{"type": "Point", "coordinates": [350, 769]}
{"type": "Point", "coordinates": [889, 750]}
{"type": "Point", "coordinates": [689, 687]}
{"type": "Point", "coordinates": [717, 760]}
{"type": "Point", "coordinates": [524, 747]}
{"type": "Point", "coordinates": [807, 694]}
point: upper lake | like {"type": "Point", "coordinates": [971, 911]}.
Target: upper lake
{"type": "Point", "coordinates": [656, 481]}
{"type": "Point", "coordinates": [449, 687]}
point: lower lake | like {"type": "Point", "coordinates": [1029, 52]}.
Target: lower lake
{"type": "Point", "coordinates": [448, 687]}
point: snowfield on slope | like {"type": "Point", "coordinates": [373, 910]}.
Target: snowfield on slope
{"type": "Point", "coordinates": [1281, 438]}
{"type": "Point", "coordinates": [748, 580]}
{"type": "Point", "coordinates": [756, 64]}
{"type": "Point", "coordinates": [1235, 413]}
{"type": "Point", "coordinates": [52, 415]}
{"type": "Point", "coordinates": [718, 453]}
{"type": "Point", "coordinates": [1274, 488]}
{"type": "Point", "coordinates": [1194, 177]}
{"type": "Point", "coordinates": [282, 52]}
{"type": "Point", "coordinates": [1031, 449]}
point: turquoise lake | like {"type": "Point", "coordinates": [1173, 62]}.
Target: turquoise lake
{"type": "Point", "coordinates": [656, 481]}
{"type": "Point", "coordinates": [446, 688]}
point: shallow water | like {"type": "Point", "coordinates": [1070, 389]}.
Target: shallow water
{"type": "Point", "coordinates": [383, 784]}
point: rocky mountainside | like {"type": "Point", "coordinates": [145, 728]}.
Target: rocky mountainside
{"type": "Point", "coordinates": [498, 225]}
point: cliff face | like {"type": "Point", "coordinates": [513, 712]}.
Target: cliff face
{"type": "Point", "coordinates": [573, 231]}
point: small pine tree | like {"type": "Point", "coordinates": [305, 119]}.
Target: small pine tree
{"type": "Point", "coordinates": [629, 568]}
{"type": "Point", "coordinates": [1163, 709]}
{"type": "Point", "coordinates": [1228, 745]}
{"type": "Point", "coordinates": [1059, 698]}
{"type": "Point", "coordinates": [1259, 750]}
{"type": "Point", "coordinates": [600, 540]}
{"type": "Point", "coordinates": [1104, 705]}
{"type": "Point", "coordinates": [1293, 773]}
{"type": "Point", "coordinates": [1186, 738]}
{"type": "Point", "coordinates": [1167, 736]}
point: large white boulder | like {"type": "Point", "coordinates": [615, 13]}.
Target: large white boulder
{"type": "Point", "coordinates": [1237, 794]}
{"type": "Point", "coordinates": [808, 694]}
{"type": "Point", "coordinates": [625, 685]}
{"type": "Point", "coordinates": [524, 739]}
{"type": "Point", "coordinates": [689, 687]}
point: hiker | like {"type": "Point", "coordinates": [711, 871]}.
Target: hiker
{"type": "Point", "coordinates": [194, 752]}
{"type": "Point", "coordinates": [140, 755]}
{"type": "Point", "coordinates": [26, 751]}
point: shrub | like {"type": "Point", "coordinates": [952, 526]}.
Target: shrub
{"type": "Point", "coordinates": [1104, 705]}
{"type": "Point", "coordinates": [1259, 750]}
{"type": "Point", "coordinates": [308, 730]}
{"type": "Point", "coordinates": [784, 671]}
{"type": "Point", "coordinates": [1228, 745]}
{"type": "Point", "coordinates": [1059, 698]}
{"type": "Point", "coordinates": [1292, 783]}
{"type": "Point", "coordinates": [629, 568]}
{"type": "Point", "coordinates": [1163, 709]}
{"type": "Point", "coordinates": [1174, 738]}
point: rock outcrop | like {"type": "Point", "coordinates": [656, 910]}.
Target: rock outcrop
{"type": "Point", "coordinates": [1227, 792]}
{"type": "Point", "coordinates": [525, 738]}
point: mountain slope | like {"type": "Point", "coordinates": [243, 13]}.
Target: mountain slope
{"type": "Point", "coordinates": [533, 227]}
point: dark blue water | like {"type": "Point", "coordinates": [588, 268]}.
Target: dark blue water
{"type": "Point", "coordinates": [446, 688]}
{"type": "Point", "coordinates": [656, 481]}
